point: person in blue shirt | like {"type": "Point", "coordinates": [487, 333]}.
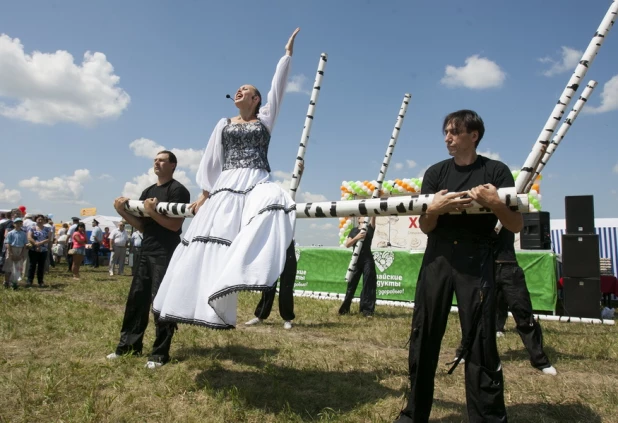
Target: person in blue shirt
{"type": "Point", "coordinates": [15, 243]}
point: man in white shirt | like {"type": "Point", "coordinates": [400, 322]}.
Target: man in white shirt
{"type": "Point", "coordinates": [96, 237]}
{"type": "Point", "coordinates": [136, 248]}
{"type": "Point", "coordinates": [118, 240]}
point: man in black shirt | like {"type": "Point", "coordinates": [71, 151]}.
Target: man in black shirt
{"type": "Point", "coordinates": [161, 236]}
{"type": "Point", "coordinates": [366, 267]}
{"type": "Point", "coordinates": [286, 293]}
{"type": "Point", "coordinates": [511, 289]}
{"type": "Point", "coordinates": [459, 258]}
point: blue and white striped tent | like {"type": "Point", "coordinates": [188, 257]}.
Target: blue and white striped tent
{"type": "Point", "coordinates": [607, 229]}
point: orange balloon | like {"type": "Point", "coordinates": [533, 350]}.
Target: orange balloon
{"type": "Point", "coordinates": [536, 188]}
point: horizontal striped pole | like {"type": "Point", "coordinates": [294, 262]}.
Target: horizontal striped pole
{"type": "Point", "coordinates": [411, 205]}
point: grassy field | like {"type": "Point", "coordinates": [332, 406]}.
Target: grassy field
{"type": "Point", "coordinates": [328, 368]}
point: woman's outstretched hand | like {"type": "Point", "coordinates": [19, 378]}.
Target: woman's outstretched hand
{"type": "Point", "coordinates": [289, 47]}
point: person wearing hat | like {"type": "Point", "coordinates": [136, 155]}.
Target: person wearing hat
{"type": "Point", "coordinates": [15, 243]}
{"type": "Point", "coordinates": [96, 237]}
{"type": "Point", "coordinates": [70, 233]}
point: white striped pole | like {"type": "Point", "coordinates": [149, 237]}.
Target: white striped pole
{"type": "Point", "coordinates": [538, 150]}
{"type": "Point", "coordinates": [564, 128]}
{"type": "Point", "coordinates": [409, 205]}
{"type": "Point", "coordinates": [304, 138]}
{"type": "Point", "coordinates": [376, 192]}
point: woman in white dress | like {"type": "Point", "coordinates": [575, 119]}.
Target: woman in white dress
{"type": "Point", "coordinates": [243, 222]}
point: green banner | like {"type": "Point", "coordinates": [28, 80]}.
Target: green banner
{"type": "Point", "coordinates": [324, 269]}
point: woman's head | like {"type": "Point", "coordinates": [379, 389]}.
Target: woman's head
{"type": "Point", "coordinates": [40, 219]}
{"type": "Point", "coordinates": [248, 97]}
{"type": "Point", "coordinates": [81, 226]}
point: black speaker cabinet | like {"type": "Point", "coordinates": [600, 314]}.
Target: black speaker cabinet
{"type": "Point", "coordinates": [579, 213]}
{"type": "Point", "coordinates": [580, 256]}
{"type": "Point", "coordinates": [536, 233]}
{"type": "Point", "coordinates": [582, 297]}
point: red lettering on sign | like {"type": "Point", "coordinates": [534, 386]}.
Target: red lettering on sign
{"type": "Point", "coordinates": [413, 221]}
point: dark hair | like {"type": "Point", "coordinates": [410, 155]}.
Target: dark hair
{"type": "Point", "coordinates": [257, 108]}
{"type": "Point", "coordinates": [15, 212]}
{"type": "Point", "coordinates": [468, 119]}
{"type": "Point", "coordinates": [81, 225]}
{"type": "Point", "coordinates": [65, 225]}
{"type": "Point", "coordinates": [170, 156]}
{"type": "Point", "coordinates": [41, 216]}
{"type": "Point", "coordinates": [2, 215]}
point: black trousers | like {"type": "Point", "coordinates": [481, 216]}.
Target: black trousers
{"type": "Point", "coordinates": [96, 246]}
{"type": "Point", "coordinates": [512, 292]}
{"type": "Point", "coordinates": [37, 265]}
{"type": "Point", "coordinates": [286, 290]}
{"type": "Point", "coordinates": [466, 269]}
{"type": "Point", "coordinates": [137, 252]}
{"type": "Point", "coordinates": [144, 287]}
{"type": "Point", "coordinates": [365, 267]}
{"type": "Point", "coordinates": [69, 256]}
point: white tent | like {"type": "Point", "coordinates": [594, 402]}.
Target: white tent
{"type": "Point", "coordinates": [104, 221]}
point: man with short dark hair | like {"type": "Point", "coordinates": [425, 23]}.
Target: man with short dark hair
{"type": "Point", "coordinates": [161, 236]}
{"type": "Point", "coordinates": [459, 259]}
{"type": "Point", "coordinates": [96, 238]}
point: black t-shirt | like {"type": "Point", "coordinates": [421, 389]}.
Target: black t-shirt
{"type": "Point", "coordinates": [447, 175]}
{"type": "Point", "coordinates": [366, 250]}
{"type": "Point", "coordinates": [157, 239]}
{"type": "Point", "coordinates": [505, 246]}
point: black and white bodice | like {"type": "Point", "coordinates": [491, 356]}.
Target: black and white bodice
{"type": "Point", "coordinates": [245, 145]}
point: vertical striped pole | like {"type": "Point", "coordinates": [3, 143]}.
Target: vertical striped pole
{"type": "Point", "coordinates": [304, 138]}
{"type": "Point", "coordinates": [564, 128]}
{"type": "Point", "coordinates": [538, 150]}
{"type": "Point", "coordinates": [376, 192]}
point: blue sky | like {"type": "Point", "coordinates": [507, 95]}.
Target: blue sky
{"type": "Point", "coordinates": [73, 134]}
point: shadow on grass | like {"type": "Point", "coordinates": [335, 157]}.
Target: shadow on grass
{"type": "Point", "coordinates": [553, 354]}
{"type": "Point", "coordinates": [529, 413]}
{"type": "Point", "coordinates": [238, 354]}
{"type": "Point", "coordinates": [274, 388]}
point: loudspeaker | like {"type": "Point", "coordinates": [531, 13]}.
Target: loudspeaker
{"type": "Point", "coordinates": [580, 256]}
{"type": "Point", "coordinates": [582, 297]}
{"type": "Point", "coordinates": [579, 213]}
{"type": "Point", "coordinates": [536, 233]}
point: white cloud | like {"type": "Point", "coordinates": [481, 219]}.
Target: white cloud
{"type": "Point", "coordinates": [398, 166]}
{"type": "Point", "coordinates": [296, 84]}
{"type": "Point", "coordinates": [187, 158]}
{"type": "Point", "coordinates": [411, 164]}
{"type": "Point", "coordinates": [134, 189]}
{"type": "Point", "coordinates": [609, 98]}
{"type": "Point", "coordinates": [421, 172]}
{"type": "Point", "coordinates": [478, 73]}
{"type": "Point", "coordinates": [62, 189]}
{"type": "Point", "coordinates": [50, 88]}
{"type": "Point", "coordinates": [568, 62]}
{"type": "Point", "coordinates": [106, 177]}
{"type": "Point", "coordinates": [490, 155]}
{"type": "Point", "coordinates": [283, 179]}
{"type": "Point", "coordinates": [324, 226]}
{"type": "Point", "coordinates": [9, 195]}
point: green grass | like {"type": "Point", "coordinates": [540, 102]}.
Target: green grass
{"type": "Point", "coordinates": [328, 368]}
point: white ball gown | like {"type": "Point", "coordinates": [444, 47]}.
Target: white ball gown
{"type": "Point", "coordinates": [239, 237]}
